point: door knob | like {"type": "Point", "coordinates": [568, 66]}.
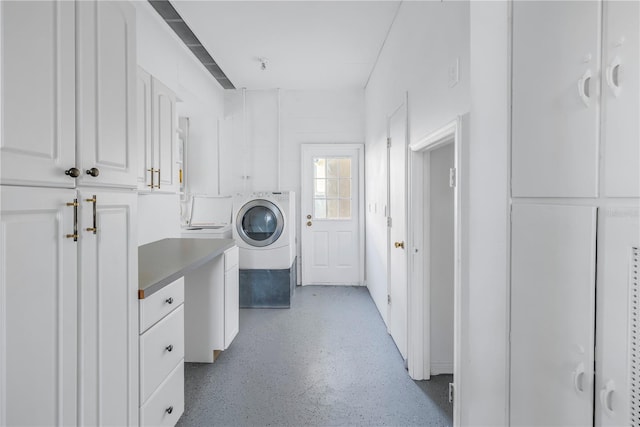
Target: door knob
{"type": "Point", "coordinates": [309, 223]}
{"type": "Point", "coordinates": [93, 172]}
{"type": "Point", "coordinates": [72, 172]}
{"type": "Point", "coordinates": [399, 245]}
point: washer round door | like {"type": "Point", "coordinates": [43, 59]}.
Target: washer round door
{"type": "Point", "coordinates": [259, 223]}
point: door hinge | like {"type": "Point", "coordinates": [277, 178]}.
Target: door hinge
{"type": "Point", "coordinates": [389, 222]}
{"type": "Point", "coordinates": [451, 392]}
{"type": "Point", "coordinates": [452, 177]}
{"type": "Point", "coordinates": [389, 142]}
{"type": "Point", "coordinates": [388, 299]}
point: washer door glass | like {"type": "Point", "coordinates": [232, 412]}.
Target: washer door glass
{"type": "Point", "coordinates": [260, 223]}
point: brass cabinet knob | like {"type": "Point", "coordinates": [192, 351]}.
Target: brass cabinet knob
{"type": "Point", "coordinates": [308, 223]}
{"type": "Point", "coordinates": [72, 172]}
{"type": "Point", "coordinates": [308, 216]}
{"type": "Point", "coordinates": [399, 245]}
{"type": "Point", "coordinates": [93, 172]}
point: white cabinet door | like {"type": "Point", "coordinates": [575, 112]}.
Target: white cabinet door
{"type": "Point", "coordinates": [555, 97]}
{"type": "Point", "coordinates": [231, 296]}
{"type": "Point", "coordinates": [552, 315]}
{"type": "Point", "coordinates": [106, 87]}
{"type": "Point", "coordinates": [108, 307]}
{"type": "Point", "coordinates": [143, 137]}
{"type": "Point", "coordinates": [621, 99]}
{"type": "Point", "coordinates": [163, 135]}
{"type": "Point", "coordinates": [38, 301]}
{"type": "Point", "coordinates": [619, 237]}
{"type": "Point", "coordinates": [38, 92]}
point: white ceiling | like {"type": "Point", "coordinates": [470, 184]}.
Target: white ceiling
{"type": "Point", "coordinates": [309, 44]}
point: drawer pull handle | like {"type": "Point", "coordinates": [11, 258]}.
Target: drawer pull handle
{"type": "Point", "coordinates": [169, 300]}
{"type": "Point", "coordinates": [169, 348]}
{"type": "Point", "coordinates": [169, 409]}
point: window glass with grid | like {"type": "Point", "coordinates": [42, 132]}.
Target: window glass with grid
{"type": "Point", "coordinates": [332, 188]}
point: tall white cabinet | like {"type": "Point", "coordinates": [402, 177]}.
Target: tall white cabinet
{"type": "Point", "coordinates": [575, 163]}
{"type": "Point", "coordinates": [68, 287]}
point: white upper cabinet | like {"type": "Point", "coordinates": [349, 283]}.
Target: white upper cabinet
{"type": "Point", "coordinates": [38, 92]}
{"type": "Point", "coordinates": [621, 98]}
{"type": "Point", "coordinates": [158, 168]}
{"type": "Point", "coordinates": [39, 322]}
{"type": "Point", "coordinates": [552, 315]}
{"type": "Point", "coordinates": [143, 136]}
{"type": "Point", "coordinates": [555, 98]}
{"type": "Point", "coordinates": [106, 93]}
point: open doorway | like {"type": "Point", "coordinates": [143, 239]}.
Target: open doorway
{"type": "Point", "coordinates": [437, 170]}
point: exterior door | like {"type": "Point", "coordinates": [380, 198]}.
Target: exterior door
{"type": "Point", "coordinates": [108, 308]}
{"type": "Point", "coordinates": [38, 301]}
{"type": "Point", "coordinates": [397, 229]}
{"type": "Point", "coordinates": [107, 67]}
{"type": "Point", "coordinates": [555, 98]}
{"type": "Point", "coordinates": [552, 315]}
{"type": "Point", "coordinates": [332, 236]}
{"type": "Point", "coordinates": [37, 75]}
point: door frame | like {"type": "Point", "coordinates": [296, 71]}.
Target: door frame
{"type": "Point", "coordinates": [305, 193]}
{"type": "Point", "coordinates": [418, 229]}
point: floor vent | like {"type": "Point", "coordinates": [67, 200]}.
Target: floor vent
{"type": "Point", "coordinates": [635, 340]}
{"type": "Point", "coordinates": [171, 16]}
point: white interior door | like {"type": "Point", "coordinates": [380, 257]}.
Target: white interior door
{"type": "Point", "coordinates": [38, 86]}
{"type": "Point", "coordinates": [397, 229]}
{"type": "Point", "coordinates": [331, 203]}
{"type": "Point", "coordinates": [107, 64]}
{"type": "Point", "coordinates": [38, 315]}
{"type": "Point", "coordinates": [552, 315]}
{"type": "Point", "coordinates": [108, 308]}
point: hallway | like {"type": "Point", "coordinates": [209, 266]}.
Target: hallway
{"type": "Point", "coordinates": [326, 361]}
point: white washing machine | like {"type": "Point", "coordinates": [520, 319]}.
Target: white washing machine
{"type": "Point", "coordinates": [264, 230]}
{"type": "Point", "coordinates": [210, 218]}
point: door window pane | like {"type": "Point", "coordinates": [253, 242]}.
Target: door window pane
{"type": "Point", "coordinates": [332, 187]}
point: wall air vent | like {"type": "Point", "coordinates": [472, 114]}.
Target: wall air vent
{"type": "Point", "coordinates": [171, 16]}
{"type": "Point", "coordinates": [634, 310]}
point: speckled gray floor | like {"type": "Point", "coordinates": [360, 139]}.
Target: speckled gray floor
{"type": "Point", "coordinates": [326, 361]}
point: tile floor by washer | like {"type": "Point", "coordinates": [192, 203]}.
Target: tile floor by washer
{"type": "Point", "coordinates": [327, 360]}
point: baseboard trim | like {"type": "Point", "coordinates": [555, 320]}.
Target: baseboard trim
{"type": "Point", "coordinates": [438, 368]}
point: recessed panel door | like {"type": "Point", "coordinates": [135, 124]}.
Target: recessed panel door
{"type": "Point", "coordinates": [37, 105]}
{"type": "Point", "coordinates": [552, 315]}
{"type": "Point", "coordinates": [38, 301]}
{"type": "Point", "coordinates": [555, 98]}
{"type": "Point", "coordinates": [107, 67]}
{"type": "Point", "coordinates": [331, 241]}
{"type": "Point", "coordinates": [108, 308]}
{"type": "Point", "coordinates": [163, 134]}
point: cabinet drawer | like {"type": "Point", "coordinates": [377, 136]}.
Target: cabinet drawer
{"type": "Point", "coordinates": [166, 405]}
{"type": "Point", "coordinates": [230, 258]}
{"type": "Point", "coordinates": [161, 349]}
{"type": "Point", "coordinates": [158, 305]}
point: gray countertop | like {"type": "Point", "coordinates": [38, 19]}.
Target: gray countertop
{"type": "Point", "coordinates": [162, 262]}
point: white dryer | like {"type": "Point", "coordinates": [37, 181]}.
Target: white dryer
{"type": "Point", "coordinates": [264, 230]}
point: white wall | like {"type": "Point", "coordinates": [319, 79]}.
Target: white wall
{"type": "Point", "coordinates": [441, 253]}
{"type": "Point", "coordinates": [426, 38]}
{"type": "Point", "coordinates": [164, 55]}
{"type": "Point", "coordinates": [299, 117]}
{"type": "Point", "coordinates": [485, 393]}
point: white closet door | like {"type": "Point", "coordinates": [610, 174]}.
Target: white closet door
{"type": "Point", "coordinates": [108, 309]}
{"type": "Point", "coordinates": [38, 321]}
{"type": "Point", "coordinates": [619, 238]}
{"type": "Point", "coordinates": [143, 126]}
{"type": "Point", "coordinates": [552, 315]}
{"type": "Point", "coordinates": [163, 137]}
{"type": "Point", "coordinates": [555, 97]}
{"type": "Point", "coordinates": [621, 98]}
{"type": "Point", "coordinates": [37, 105]}
{"type": "Point", "coordinates": [107, 67]}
